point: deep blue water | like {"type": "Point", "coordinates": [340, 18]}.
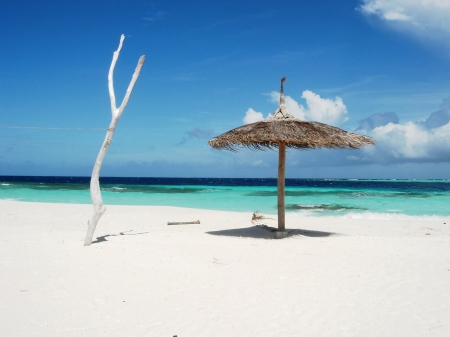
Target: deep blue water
{"type": "Point", "coordinates": [359, 197]}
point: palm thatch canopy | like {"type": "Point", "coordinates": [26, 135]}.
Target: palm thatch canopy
{"type": "Point", "coordinates": [284, 130]}
{"type": "Point", "coordinates": [295, 133]}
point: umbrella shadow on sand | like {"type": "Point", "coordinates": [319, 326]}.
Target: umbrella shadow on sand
{"type": "Point", "coordinates": [265, 232]}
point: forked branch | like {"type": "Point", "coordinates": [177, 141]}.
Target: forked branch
{"type": "Point", "coordinates": [96, 196]}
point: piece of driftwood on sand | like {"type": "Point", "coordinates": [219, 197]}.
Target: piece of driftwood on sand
{"type": "Point", "coordinates": [184, 223]}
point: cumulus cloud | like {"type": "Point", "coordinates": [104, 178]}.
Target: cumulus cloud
{"type": "Point", "coordinates": [440, 117]}
{"type": "Point", "coordinates": [252, 116]}
{"type": "Point", "coordinates": [318, 109]}
{"type": "Point", "coordinates": [427, 141]}
{"type": "Point", "coordinates": [422, 18]}
{"type": "Point", "coordinates": [196, 133]}
{"type": "Point", "coordinates": [376, 120]}
{"type": "Point", "coordinates": [324, 109]}
{"type": "Point", "coordinates": [410, 142]}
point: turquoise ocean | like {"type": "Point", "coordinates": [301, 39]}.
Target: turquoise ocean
{"type": "Point", "coordinates": [356, 198]}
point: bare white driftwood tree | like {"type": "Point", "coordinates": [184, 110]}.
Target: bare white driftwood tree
{"type": "Point", "coordinates": [116, 112]}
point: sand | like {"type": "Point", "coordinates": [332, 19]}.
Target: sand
{"type": "Point", "coordinates": [223, 277]}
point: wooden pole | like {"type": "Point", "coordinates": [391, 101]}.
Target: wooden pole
{"type": "Point", "coordinates": [281, 176]}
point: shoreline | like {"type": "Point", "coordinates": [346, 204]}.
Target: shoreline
{"type": "Point", "coordinates": [222, 277]}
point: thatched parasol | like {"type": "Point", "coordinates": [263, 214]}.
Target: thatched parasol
{"type": "Point", "coordinates": [284, 130]}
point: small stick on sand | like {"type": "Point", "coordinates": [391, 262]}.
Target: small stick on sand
{"type": "Point", "coordinates": [185, 223]}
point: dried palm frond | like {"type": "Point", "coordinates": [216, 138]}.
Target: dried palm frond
{"type": "Point", "coordinates": [257, 217]}
{"type": "Point", "coordinates": [293, 132]}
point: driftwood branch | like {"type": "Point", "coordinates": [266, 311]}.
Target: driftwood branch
{"type": "Point", "coordinates": [96, 196]}
{"type": "Point", "coordinates": [184, 223]}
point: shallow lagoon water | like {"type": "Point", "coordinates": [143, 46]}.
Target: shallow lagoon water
{"type": "Point", "coordinates": [316, 197]}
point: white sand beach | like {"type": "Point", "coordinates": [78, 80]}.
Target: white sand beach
{"type": "Point", "coordinates": [222, 277]}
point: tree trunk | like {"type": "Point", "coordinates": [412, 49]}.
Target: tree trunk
{"type": "Point", "coordinates": [96, 196]}
{"type": "Point", "coordinates": [281, 177]}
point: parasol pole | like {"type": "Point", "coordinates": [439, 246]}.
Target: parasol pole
{"type": "Point", "coordinates": [284, 79]}
{"type": "Point", "coordinates": [281, 183]}
{"type": "Point", "coordinates": [281, 173]}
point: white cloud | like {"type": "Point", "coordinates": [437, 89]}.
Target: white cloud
{"type": "Point", "coordinates": [252, 116]}
{"type": "Point", "coordinates": [402, 140]}
{"type": "Point", "coordinates": [427, 141]}
{"type": "Point", "coordinates": [396, 16]}
{"type": "Point", "coordinates": [376, 120]}
{"type": "Point", "coordinates": [324, 109]}
{"type": "Point", "coordinates": [440, 117]}
{"type": "Point", "coordinates": [318, 109]}
{"type": "Point", "coordinates": [409, 142]}
{"type": "Point", "coordinates": [422, 18]}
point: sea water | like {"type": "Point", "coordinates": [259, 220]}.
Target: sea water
{"type": "Point", "coordinates": [357, 198]}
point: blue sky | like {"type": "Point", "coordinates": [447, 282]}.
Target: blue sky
{"type": "Point", "coordinates": [379, 67]}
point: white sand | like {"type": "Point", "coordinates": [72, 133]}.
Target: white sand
{"type": "Point", "coordinates": [223, 277]}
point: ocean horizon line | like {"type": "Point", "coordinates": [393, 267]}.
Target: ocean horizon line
{"type": "Point", "coordinates": [36, 177]}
